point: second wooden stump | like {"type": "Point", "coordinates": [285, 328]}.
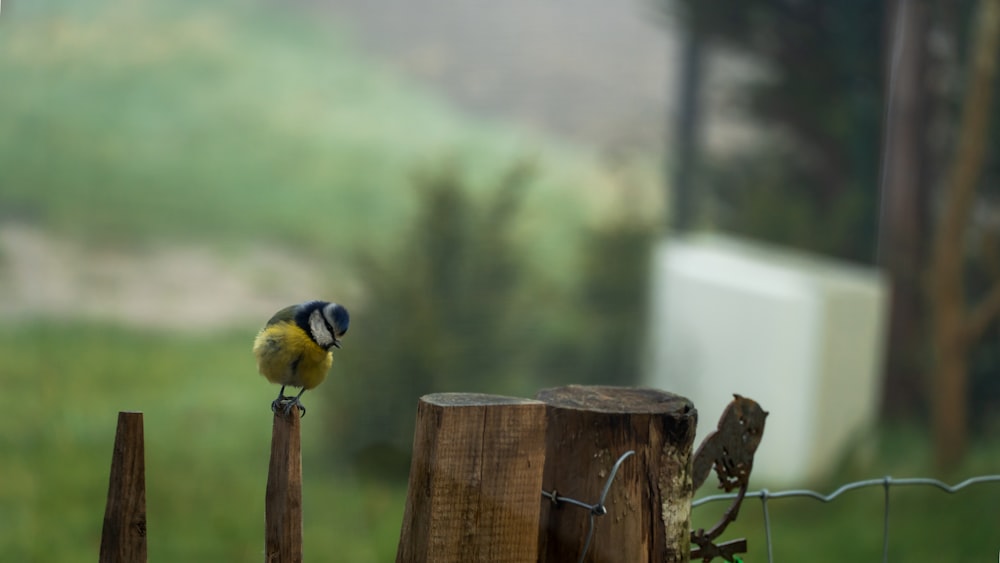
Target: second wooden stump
{"type": "Point", "coordinates": [649, 503]}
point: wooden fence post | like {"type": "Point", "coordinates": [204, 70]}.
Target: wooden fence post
{"type": "Point", "coordinates": [475, 480]}
{"type": "Point", "coordinates": [123, 539]}
{"type": "Point", "coordinates": [649, 502]}
{"type": "Point", "coordinates": [283, 501]}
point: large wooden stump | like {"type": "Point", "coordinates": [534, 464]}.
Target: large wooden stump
{"type": "Point", "coordinates": [475, 480]}
{"type": "Point", "coordinates": [649, 502]}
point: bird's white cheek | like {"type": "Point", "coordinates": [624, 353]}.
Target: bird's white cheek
{"type": "Point", "coordinates": [319, 331]}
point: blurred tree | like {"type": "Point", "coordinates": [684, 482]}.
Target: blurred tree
{"type": "Point", "coordinates": [813, 186]}
{"type": "Point", "coordinates": [905, 184]}
{"type": "Point", "coordinates": [821, 95]}
{"type": "Point", "coordinates": [614, 296]}
{"type": "Point", "coordinates": [957, 328]}
{"type": "Point", "coordinates": [441, 315]}
{"type": "Point", "coordinates": [607, 313]}
{"type": "Point", "coordinates": [684, 211]}
{"type": "Point", "coordinates": [459, 307]}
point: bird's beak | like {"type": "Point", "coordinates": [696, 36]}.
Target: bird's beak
{"type": "Point", "coordinates": [336, 343]}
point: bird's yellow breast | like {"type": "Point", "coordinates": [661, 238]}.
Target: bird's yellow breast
{"type": "Point", "coordinates": [287, 356]}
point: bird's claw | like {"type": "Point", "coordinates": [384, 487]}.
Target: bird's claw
{"type": "Point", "coordinates": [294, 401]}
{"type": "Point", "coordinates": [285, 404]}
{"type": "Point", "coordinates": [276, 404]}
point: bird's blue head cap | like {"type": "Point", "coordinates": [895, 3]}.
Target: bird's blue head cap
{"type": "Point", "coordinates": [338, 318]}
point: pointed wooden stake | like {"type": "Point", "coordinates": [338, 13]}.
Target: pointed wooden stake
{"type": "Point", "coordinates": [283, 502]}
{"type": "Point", "coordinates": [123, 539]}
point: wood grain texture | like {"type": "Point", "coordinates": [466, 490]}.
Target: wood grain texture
{"type": "Point", "coordinates": [123, 538]}
{"type": "Point", "coordinates": [475, 480]}
{"type": "Point", "coordinates": [649, 503]}
{"type": "Point", "coordinates": [283, 501]}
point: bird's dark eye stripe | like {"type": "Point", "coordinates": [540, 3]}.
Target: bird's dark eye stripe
{"type": "Point", "coordinates": [328, 327]}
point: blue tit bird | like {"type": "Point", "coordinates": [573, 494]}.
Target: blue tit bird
{"type": "Point", "coordinates": [293, 348]}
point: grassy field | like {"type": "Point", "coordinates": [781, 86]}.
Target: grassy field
{"type": "Point", "coordinates": [926, 524]}
{"type": "Point", "coordinates": [232, 122]}
{"type": "Point", "coordinates": [207, 426]}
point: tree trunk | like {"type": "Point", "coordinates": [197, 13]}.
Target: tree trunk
{"type": "Point", "coordinates": [684, 207]}
{"type": "Point", "coordinates": [954, 329]}
{"type": "Point", "coordinates": [904, 188]}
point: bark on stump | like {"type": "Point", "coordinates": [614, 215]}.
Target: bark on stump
{"type": "Point", "coordinates": [649, 502]}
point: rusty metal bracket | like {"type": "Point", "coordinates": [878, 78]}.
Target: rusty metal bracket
{"type": "Point", "coordinates": [729, 449]}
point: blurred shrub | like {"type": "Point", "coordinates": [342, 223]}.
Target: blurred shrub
{"type": "Point", "coordinates": [458, 308]}
{"type": "Point", "coordinates": [607, 313]}
{"type": "Point", "coordinates": [438, 317]}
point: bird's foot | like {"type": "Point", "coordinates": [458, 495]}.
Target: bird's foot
{"type": "Point", "coordinates": [285, 404]}
{"type": "Point", "coordinates": [295, 402]}
{"type": "Point", "coordinates": [278, 403]}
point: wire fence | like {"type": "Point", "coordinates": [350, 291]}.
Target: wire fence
{"type": "Point", "coordinates": [887, 483]}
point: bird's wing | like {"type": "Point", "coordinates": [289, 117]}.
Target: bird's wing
{"type": "Point", "coordinates": [285, 315]}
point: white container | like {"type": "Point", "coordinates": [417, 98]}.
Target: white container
{"type": "Point", "coordinates": [800, 334]}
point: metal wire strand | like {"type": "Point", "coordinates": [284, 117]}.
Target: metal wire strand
{"type": "Point", "coordinates": [767, 524]}
{"type": "Point", "coordinates": [596, 509]}
{"type": "Point", "coordinates": [611, 476]}
{"type": "Point", "coordinates": [886, 482]}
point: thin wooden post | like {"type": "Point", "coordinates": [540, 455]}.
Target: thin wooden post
{"type": "Point", "coordinates": [123, 539]}
{"type": "Point", "coordinates": [475, 480]}
{"type": "Point", "coordinates": [648, 502]}
{"type": "Point", "coordinates": [283, 501]}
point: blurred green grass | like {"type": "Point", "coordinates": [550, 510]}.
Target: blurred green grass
{"type": "Point", "coordinates": [207, 441]}
{"type": "Point", "coordinates": [925, 524]}
{"type": "Point", "coordinates": [207, 425]}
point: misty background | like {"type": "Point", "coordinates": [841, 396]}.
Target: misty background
{"type": "Point", "coordinates": [486, 187]}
